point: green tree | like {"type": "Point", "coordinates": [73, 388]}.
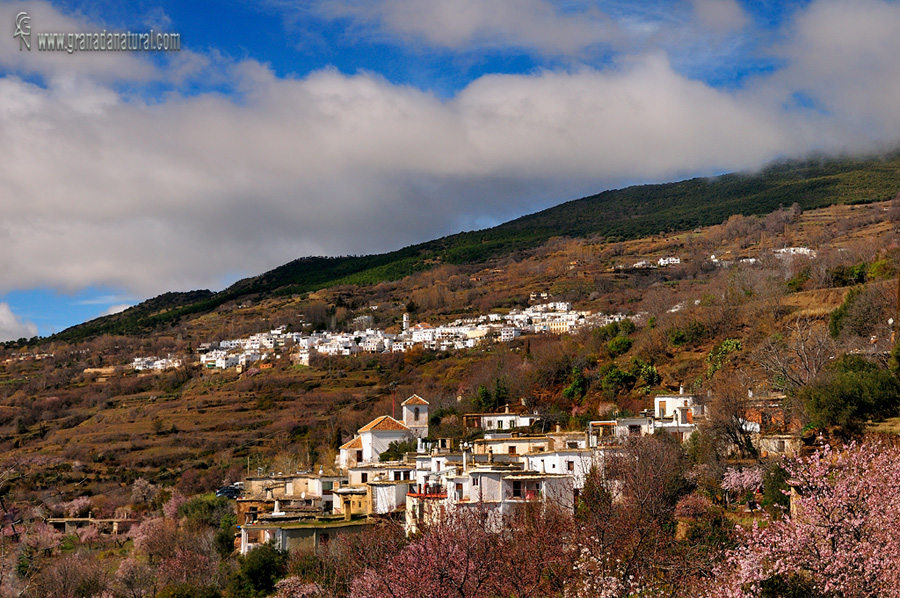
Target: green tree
{"type": "Point", "coordinates": [257, 573]}
{"type": "Point", "coordinates": [501, 392]}
{"type": "Point", "coordinates": [618, 346]}
{"type": "Point", "coordinates": [578, 388]}
{"type": "Point", "coordinates": [484, 401]}
{"type": "Point", "coordinates": [775, 487]}
{"type": "Point", "coordinates": [849, 392]}
{"type": "Point", "coordinates": [397, 449]}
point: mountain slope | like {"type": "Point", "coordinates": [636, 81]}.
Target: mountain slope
{"type": "Point", "coordinates": [628, 213]}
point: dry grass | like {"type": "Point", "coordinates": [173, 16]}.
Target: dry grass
{"type": "Point", "coordinates": [816, 303]}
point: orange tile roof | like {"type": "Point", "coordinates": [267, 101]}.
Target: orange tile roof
{"type": "Point", "coordinates": [414, 400]}
{"type": "Point", "coordinates": [385, 422]}
{"type": "Point", "coordinates": [356, 443]}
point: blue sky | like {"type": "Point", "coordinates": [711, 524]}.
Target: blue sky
{"type": "Point", "coordinates": [290, 128]}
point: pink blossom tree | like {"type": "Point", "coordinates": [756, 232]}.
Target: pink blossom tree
{"type": "Point", "coordinates": [135, 579]}
{"type": "Point", "coordinates": [187, 567]}
{"type": "Point", "coordinates": [154, 538]}
{"type": "Point", "coordinates": [466, 555]}
{"type": "Point", "coordinates": [742, 482]}
{"type": "Point", "coordinates": [841, 538]}
{"type": "Point", "coordinates": [451, 559]}
{"type": "Point", "coordinates": [42, 538]}
{"type": "Point", "coordinates": [88, 535]}
{"type": "Point", "coordinates": [142, 491]}
{"type": "Point", "coordinates": [78, 507]}
{"type": "Point", "coordinates": [171, 506]}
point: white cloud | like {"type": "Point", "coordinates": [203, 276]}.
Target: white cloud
{"type": "Point", "coordinates": [109, 66]}
{"type": "Point", "coordinates": [11, 327]}
{"type": "Point", "coordinates": [176, 194]}
{"type": "Point", "coordinates": [722, 16]}
{"type": "Point", "coordinates": [104, 300]}
{"type": "Point", "coordinates": [529, 24]}
{"type": "Point", "coordinates": [115, 309]}
{"type": "Point", "coordinates": [843, 56]}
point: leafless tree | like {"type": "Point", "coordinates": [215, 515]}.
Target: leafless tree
{"type": "Point", "coordinates": [624, 515]}
{"type": "Point", "coordinates": [728, 415]}
{"type": "Point", "coordinates": [795, 359]}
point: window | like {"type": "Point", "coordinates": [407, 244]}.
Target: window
{"type": "Point", "coordinates": [359, 456]}
{"type": "Point", "coordinates": [474, 481]}
{"type": "Point", "coordinates": [364, 477]}
{"type": "Point", "coordinates": [512, 450]}
{"type": "Point", "coordinates": [517, 489]}
{"type": "Point", "coordinates": [416, 414]}
{"type": "Point", "coordinates": [570, 465]}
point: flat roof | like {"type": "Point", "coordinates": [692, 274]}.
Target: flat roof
{"type": "Point", "coordinates": [313, 523]}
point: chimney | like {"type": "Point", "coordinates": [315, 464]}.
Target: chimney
{"type": "Point", "coordinates": [506, 410]}
{"type": "Point", "coordinates": [681, 389]}
{"type": "Point", "coordinates": [750, 393]}
{"type": "Point", "coordinates": [490, 455]}
{"type": "Point", "coordinates": [269, 495]}
{"type": "Point", "coordinates": [558, 428]}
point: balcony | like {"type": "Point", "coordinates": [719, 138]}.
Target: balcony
{"type": "Point", "coordinates": [428, 492]}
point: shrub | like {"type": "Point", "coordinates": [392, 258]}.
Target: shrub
{"type": "Point", "coordinates": [619, 346]}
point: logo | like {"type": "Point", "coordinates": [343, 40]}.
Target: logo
{"type": "Point", "coordinates": [23, 30]}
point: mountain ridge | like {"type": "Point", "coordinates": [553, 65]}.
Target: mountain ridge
{"type": "Point", "coordinates": [620, 214]}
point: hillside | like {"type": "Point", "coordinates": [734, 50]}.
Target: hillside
{"type": "Point", "coordinates": [623, 214]}
{"type": "Point", "coordinates": [193, 426]}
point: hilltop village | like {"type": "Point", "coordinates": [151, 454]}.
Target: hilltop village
{"type": "Point", "coordinates": [552, 318]}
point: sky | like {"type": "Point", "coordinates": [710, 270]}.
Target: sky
{"type": "Point", "coordinates": [287, 128]}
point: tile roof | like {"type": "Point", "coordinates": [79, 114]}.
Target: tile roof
{"type": "Point", "coordinates": [356, 443]}
{"type": "Point", "coordinates": [414, 400]}
{"type": "Point", "coordinates": [385, 422]}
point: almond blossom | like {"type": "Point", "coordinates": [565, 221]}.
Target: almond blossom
{"type": "Point", "coordinates": [841, 537]}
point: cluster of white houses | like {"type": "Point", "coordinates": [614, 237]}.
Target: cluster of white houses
{"type": "Point", "coordinates": [552, 318]}
{"type": "Point", "coordinates": [509, 466]}
{"type": "Point", "coordinates": [154, 363]}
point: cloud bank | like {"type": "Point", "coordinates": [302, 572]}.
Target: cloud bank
{"type": "Point", "coordinates": [12, 327]}
{"type": "Point", "coordinates": [101, 186]}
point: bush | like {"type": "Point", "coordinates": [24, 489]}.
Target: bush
{"type": "Point", "coordinates": [397, 449]}
{"type": "Point", "coordinates": [619, 346]}
{"type": "Point", "coordinates": [690, 334]}
{"type": "Point", "coordinates": [774, 489]}
{"type": "Point", "coordinates": [851, 391]}
{"type": "Point", "coordinates": [258, 572]}
{"type": "Point", "coordinates": [578, 388]}
{"type": "Point", "coordinates": [208, 510]}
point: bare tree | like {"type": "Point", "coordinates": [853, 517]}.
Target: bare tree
{"type": "Point", "coordinates": [728, 416]}
{"type": "Point", "coordinates": [796, 358]}
{"type": "Point", "coordinates": [624, 517]}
